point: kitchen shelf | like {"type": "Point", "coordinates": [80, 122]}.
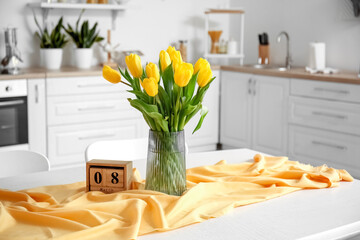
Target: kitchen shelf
{"type": "Point", "coordinates": [46, 7]}
{"type": "Point", "coordinates": [220, 55]}
{"type": "Point", "coordinates": [239, 55]}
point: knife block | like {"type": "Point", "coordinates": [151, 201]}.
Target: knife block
{"type": "Point", "coordinates": [108, 176]}
{"type": "Point", "coordinates": [264, 54]}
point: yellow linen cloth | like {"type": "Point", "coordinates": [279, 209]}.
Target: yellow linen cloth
{"type": "Point", "coordinates": [68, 212]}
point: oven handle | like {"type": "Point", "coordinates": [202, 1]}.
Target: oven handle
{"type": "Point", "coordinates": [9, 103]}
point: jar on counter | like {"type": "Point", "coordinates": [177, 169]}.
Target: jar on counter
{"type": "Point", "coordinates": [183, 49]}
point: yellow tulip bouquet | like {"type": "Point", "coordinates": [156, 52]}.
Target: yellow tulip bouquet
{"type": "Point", "coordinates": [167, 106]}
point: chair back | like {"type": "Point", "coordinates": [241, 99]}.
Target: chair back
{"type": "Point", "coordinates": [17, 162]}
{"type": "Point", "coordinates": [127, 150]}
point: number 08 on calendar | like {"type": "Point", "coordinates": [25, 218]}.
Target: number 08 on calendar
{"type": "Point", "coordinates": [108, 176]}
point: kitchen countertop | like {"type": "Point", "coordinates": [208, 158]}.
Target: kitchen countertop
{"type": "Point", "coordinates": [296, 72]}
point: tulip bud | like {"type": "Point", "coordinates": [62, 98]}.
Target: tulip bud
{"type": "Point", "coordinates": [165, 60]}
{"type": "Point", "coordinates": [183, 74]}
{"type": "Point", "coordinates": [111, 75]}
{"type": "Point", "coordinates": [150, 86]}
{"type": "Point", "coordinates": [133, 62]}
{"type": "Point", "coordinates": [201, 63]}
{"type": "Point", "coordinates": [152, 70]}
{"type": "Point", "coordinates": [204, 76]}
{"type": "Point", "coordinates": [176, 58]}
{"type": "Point", "coordinates": [170, 50]}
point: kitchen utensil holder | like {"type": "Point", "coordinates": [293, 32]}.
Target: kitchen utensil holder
{"type": "Point", "coordinates": [264, 54]}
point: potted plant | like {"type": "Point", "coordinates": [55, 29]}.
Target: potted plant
{"type": "Point", "coordinates": [84, 38]}
{"type": "Point", "coordinates": [51, 45]}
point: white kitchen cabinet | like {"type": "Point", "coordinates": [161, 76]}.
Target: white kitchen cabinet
{"type": "Point", "coordinates": [236, 109]}
{"type": "Point", "coordinates": [207, 137]}
{"type": "Point", "coordinates": [318, 147]}
{"type": "Point", "coordinates": [67, 143]}
{"type": "Point", "coordinates": [37, 115]}
{"type": "Point", "coordinates": [270, 110]}
{"type": "Point", "coordinates": [324, 124]}
{"type": "Point", "coordinates": [82, 110]}
{"type": "Point", "coordinates": [254, 112]}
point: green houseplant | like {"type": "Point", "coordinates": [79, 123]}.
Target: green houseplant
{"type": "Point", "coordinates": [168, 95]}
{"type": "Point", "coordinates": [83, 37]}
{"type": "Point", "coordinates": [51, 44]}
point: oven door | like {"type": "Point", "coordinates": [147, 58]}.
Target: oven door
{"type": "Point", "coordinates": [13, 121]}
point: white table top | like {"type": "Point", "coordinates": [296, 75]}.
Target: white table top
{"type": "Point", "coordinates": [331, 213]}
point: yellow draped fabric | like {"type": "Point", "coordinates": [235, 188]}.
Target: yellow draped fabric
{"type": "Point", "coordinates": [67, 212]}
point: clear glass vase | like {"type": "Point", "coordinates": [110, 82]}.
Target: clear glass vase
{"type": "Point", "coordinates": [166, 168]}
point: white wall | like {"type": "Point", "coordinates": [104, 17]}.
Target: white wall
{"type": "Point", "coordinates": [330, 21]}
{"type": "Point", "coordinates": [149, 25]}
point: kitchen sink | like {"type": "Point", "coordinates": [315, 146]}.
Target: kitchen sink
{"type": "Point", "coordinates": [266, 66]}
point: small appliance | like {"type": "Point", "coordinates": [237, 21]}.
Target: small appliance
{"type": "Point", "coordinates": [12, 59]}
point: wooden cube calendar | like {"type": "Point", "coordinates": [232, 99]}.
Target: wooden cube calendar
{"type": "Point", "coordinates": [108, 176]}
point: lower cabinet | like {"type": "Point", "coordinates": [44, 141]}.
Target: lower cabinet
{"type": "Point", "coordinates": [67, 144]}
{"type": "Point", "coordinates": [318, 147]}
{"type": "Point", "coordinates": [254, 112]}
{"type": "Point", "coordinates": [324, 124]}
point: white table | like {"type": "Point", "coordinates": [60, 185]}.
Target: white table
{"type": "Point", "coordinates": [332, 213]}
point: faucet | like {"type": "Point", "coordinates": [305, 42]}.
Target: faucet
{"type": "Point", "coordinates": [288, 57]}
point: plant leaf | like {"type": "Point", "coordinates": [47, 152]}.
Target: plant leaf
{"type": "Point", "coordinates": [204, 111]}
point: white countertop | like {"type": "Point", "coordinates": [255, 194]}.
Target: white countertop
{"type": "Point", "coordinates": [330, 213]}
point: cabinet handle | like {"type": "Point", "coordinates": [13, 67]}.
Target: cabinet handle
{"type": "Point", "coordinates": [3, 127]}
{"type": "Point", "coordinates": [249, 86]}
{"type": "Point", "coordinates": [329, 115]}
{"type": "Point", "coordinates": [9, 103]}
{"type": "Point", "coordinates": [95, 108]}
{"type": "Point", "coordinates": [93, 85]}
{"type": "Point", "coordinates": [97, 136]}
{"type": "Point", "coordinates": [319, 89]}
{"type": "Point", "coordinates": [36, 93]}
{"type": "Point", "coordinates": [329, 145]}
{"type": "Point", "coordinates": [254, 87]}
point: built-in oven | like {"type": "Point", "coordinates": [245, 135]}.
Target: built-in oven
{"type": "Point", "coordinates": [13, 114]}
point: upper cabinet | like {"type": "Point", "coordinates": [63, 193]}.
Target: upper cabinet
{"type": "Point", "coordinates": [254, 112]}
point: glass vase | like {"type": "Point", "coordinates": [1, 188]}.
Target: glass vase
{"type": "Point", "coordinates": [166, 168]}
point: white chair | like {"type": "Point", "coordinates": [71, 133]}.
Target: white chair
{"type": "Point", "coordinates": [127, 150]}
{"type": "Point", "coordinates": [17, 162]}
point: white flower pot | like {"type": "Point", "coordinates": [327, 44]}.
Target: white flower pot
{"type": "Point", "coordinates": [83, 57]}
{"type": "Point", "coordinates": [51, 57]}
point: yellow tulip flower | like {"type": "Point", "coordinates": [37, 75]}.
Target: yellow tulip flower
{"type": "Point", "coordinates": [204, 76]}
{"type": "Point", "coordinates": [201, 63]}
{"type": "Point", "coordinates": [176, 58]}
{"type": "Point", "coordinates": [183, 74]}
{"type": "Point", "coordinates": [133, 62]}
{"type": "Point", "coordinates": [170, 50]}
{"type": "Point", "coordinates": [150, 86]}
{"type": "Point", "coordinates": [111, 75]}
{"type": "Point", "coordinates": [152, 70]}
{"type": "Point", "coordinates": [165, 60]}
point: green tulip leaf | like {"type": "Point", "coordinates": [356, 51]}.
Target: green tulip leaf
{"type": "Point", "coordinates": [204, 111]}
{"type": "Point", "coordinates": [190, 88]}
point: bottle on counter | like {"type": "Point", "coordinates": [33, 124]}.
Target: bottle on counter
{"type": "Point", "coordinates": [183, 49]}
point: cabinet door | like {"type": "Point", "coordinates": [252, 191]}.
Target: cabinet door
{"type": "Point", "coordinates": [208, 135]}
{"type": "Point", "coordinates": [270, 114]}
{"type": "Point", "coordinates": [235, 121]}
{"type": "Point", "coordinates": [318, 147]}
{"type": "Point", "coordinates": [67, 143]}
{"type": "Point", "coordinates": [37, 115]}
